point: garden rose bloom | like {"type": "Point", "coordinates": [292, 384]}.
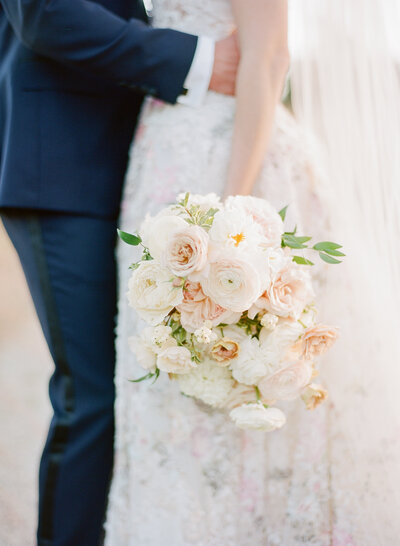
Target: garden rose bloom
{"type": "Point", "coordinates": [208, 382]}
{"type": "Point", "coordinates": [151, 292]}
{"type": "Point", "coordinates": [197, 308]}
{"type": "Point", "coordinates": [250, 365]}
{"type": "Point", "coordinates": [225, 350]}
{"type": "Point", "coordinates": [275, 344]}
{"type": "Point", "coordinates": [175, 359]}
{"type": "Point", "coordinates": [313, 395]}
{"type": "Point", "coordinates": [149, 343]}
{"type": "Point", "coordinates": [256, 416]}
{"type": "Point", "coordinates": [286, 383]}
{"type": "Point", "coordinates": [186, 251]}
{"type": "Point", "coordinates": [317, 340]}
{"type": "Point", "coordinates": [156, 231]}
{"type": "Point", "coordinates": [232, 282]}
{"type": "Point", "coordinates": [288, 293]}
{"type": "Point", "coordinates": [263, 214]}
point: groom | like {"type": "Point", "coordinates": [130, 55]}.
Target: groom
{"type": "Point", "coordinates": [72, 77]}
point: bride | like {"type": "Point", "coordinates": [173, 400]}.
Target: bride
{"type": "Point", "coordinates": [184, 475]}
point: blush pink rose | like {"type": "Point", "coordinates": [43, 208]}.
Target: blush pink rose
{"type": "Point", "coordinates": [287, 383]}
{"type": "Point", "coordinates": [317, 340]}
{"type": "Point", "coordinates": [186, 251]}
{"type": "Point", "coordinates": [196, 308]}
{"type": "Point", "coordinates": [288, 293]}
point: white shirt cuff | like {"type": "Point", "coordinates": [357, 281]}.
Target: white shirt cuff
{"type": "Point", "coordinates": [199, 76]}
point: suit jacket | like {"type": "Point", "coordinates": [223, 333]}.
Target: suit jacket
{"type": "Point", "coordinates": [72, 77]}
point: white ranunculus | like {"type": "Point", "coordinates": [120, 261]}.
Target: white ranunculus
{"type": "Point", "coordinates": [205, 202]}
{"type": "Point", "coordinates": [208, 382]}
{"type": "Point", "coordinates": [287, 383]}
{"type": "Point", "coordinates": [256, 416]}
{"type": "Point", "coordinates": [144, 351]}
{"type": "Point", "coordinates": [232, 282]}
{"type": "Point", "coordinates": [276, 343]}
{"type": "Point", "coordinates": [151, 292]}
{"type": "Point", "coordinates": [156, 231]}
{"type": "Point", "coordinates": [262, 213]}
{"type": "Point", "coordinates": [250, 365]}
{"type": "Point", "coordinates": [186, 251]}
{"type": "Point", "coordinates": [175, 359]}
{"type": "Point", "coordinates": [234, 228]}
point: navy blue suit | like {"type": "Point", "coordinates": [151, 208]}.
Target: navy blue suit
{"type": "Point", "coordinates": [72, 77]}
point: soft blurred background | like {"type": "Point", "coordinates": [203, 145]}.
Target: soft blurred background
{"type": "Point", "coordinates": [24, 408]}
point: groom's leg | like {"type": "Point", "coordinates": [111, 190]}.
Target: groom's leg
{"type": "Point", "coordinates": [69, 265]}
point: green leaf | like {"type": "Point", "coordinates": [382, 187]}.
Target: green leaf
{"type": "Point", "coordinates": [294, 242]}
{"type": "Point", "coordinates": [335, 253]}
{"type": "Point", "coordinates": [328, 259]}
{"type": "Point", "coordinates": [143, 378]}
{"type": "Point", "coordinates": [326, 245]}
{"type": "Point", "coordinates": [302, 261]}
{"type": "Point", "coordinates": [128, 238]}
{"type": "Point", "coordinates": [282, 213]}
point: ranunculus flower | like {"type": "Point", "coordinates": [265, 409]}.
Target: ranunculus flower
{"type": "Point", "coordinates": [288, 293]}
{"type": "Point", "coordinates": [256, 416]}
{"type": "Point", "coordinates": [313, 395]}
{"type": "Point", "coordinates": [186, 251]}
{"type": "Point", "coordinates": [232, 283]}
{"type": "Point", "coordinates": [151, 292]}
{"type": "Point", "coordinates": [197, 308]}
{"type": "Point", "coordinates": [175, 359]}
{"type": "Point", "coordinates": [250, 365]}
{"type": "Point", "coordinates": [317, 340]}
{"type": "Point", "coordinates": [208, 382]}
{"type": "Point", "coordinates": [286, 383]}
{"type": "Point", "coordinates": [156, 231]}
{"type": "Point", "coordinates": [263, 214]}
{"type": "Point", "coordinates": [225, 350]}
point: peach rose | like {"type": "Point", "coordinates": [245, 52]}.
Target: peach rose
{"type": "Point", "coordinates": [197, 308]}
{"type": "Point", "coordinates": [288, 293]}
{"type": "Point", "coordinates": [224, 350]}
{"type": "Point", "coordinates": [287, 383]}
{"type": "Point", "coordinates": [186, 251]}
{"type": "Point", "coordinates": [232, 282]}
{"type": "Point", "coordinates": [313, 395]}
{"type": "Point", "coordinates": [317, 340]}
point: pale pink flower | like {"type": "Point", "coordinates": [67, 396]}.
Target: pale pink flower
{"type": "Point", "coordinates": [225, 350]}
{"type": "Point", "coordinates": [313, 395]}
{"type": "Point", "coordinates": [197, 308]}
{"type": "Point", "coordinates": [317, 340]}
{"type": "Point", "coordinates": [288, 293]}
{"type": "Point", "coordinates": [186, 251]}
{"type": "Point", "coordinates": [287, 383]}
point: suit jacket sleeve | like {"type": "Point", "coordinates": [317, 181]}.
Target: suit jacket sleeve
{"type": "Point", "coordinates": [85, 35]}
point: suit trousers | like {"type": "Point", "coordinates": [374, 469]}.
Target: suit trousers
{"type": "Point", "coordinates": [69, 266]}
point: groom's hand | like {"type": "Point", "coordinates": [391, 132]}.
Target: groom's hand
{"type": "Point", "coordinates": [226, 61]}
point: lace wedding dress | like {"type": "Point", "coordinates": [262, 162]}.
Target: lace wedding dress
{"type": "Point", "coordinates": [184, 475]}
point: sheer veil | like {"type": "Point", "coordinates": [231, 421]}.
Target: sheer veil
{"type": "Point", "coordinates": [346, 89]}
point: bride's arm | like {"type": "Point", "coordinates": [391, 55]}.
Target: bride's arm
{"type": "Point", "coordinates": [262, 27]}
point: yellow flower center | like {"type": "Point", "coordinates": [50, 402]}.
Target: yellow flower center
{"type": "Point", "coordinates": [238, 238]}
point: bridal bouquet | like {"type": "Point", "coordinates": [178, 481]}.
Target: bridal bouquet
{"type": "Point", "coordinates": [229, 304]}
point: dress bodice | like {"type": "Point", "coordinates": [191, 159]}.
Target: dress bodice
{"type": "Point", "coordinates": [211, 18]}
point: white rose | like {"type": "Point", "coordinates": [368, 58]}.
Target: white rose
{"type": "Point", "coordinates": [235, 229]}
{"type": "Point", "coordinates": [144, 352]}
{"type": "Point", "coordinates": [205, 202]}
{"type": "Point", "coordinates": [276, 343]}
{"type": "Point", "coordinates": [156, 231]}
{"type": "Point", "coordinates": [262, 213]}
{"type": "Point", "coordinates": [175, 359]}
{"type": "Point", "coordinates": [186, 251]}
{"type": "Point", "coordinates": [249, 366]}
{"type": "Point", "coordinates": [232, 283]}
{"type": "Point", "coordinates": [287, 383]}
{"type": "Point", "coordinates": [256, 416]}
{"type": "Point", "coordinates": [151, 292]}
{"type": "Point", "coordinates": [208, 382]}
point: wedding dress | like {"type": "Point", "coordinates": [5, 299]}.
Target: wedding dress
{"type": "Point", "coordinates": [184, 475]}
